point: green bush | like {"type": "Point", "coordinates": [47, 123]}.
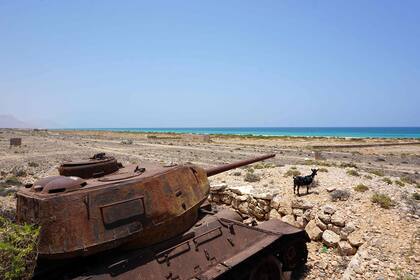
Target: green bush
{"type": "Point", "coordinates": [292, 172]}
{"type": "Point", "coordinates": [383, 200]}
{"type": "Point", "coordinates": [360, 188]}
{"type": "Point", "coordinates": [416, 196]}
{"type": "Point", "coordinates": [399, 183]}
{"type": "Point", "coordinates": [353, 172]}
{"type": "Point", "coordinates": [348, 164]}
{"type": "Point", "coordinates": [387, 180]}
{"type": "Point", "coordinates": [379, 173]}
{"type": "Point", "coordinates": [251, 177]}
{"type": "Point", "coordinates": [18, 250]}
{"type": "Point", "coordinates": [408, 180]}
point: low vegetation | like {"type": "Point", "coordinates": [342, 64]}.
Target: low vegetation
{"type": "Point", "coordinates": [251, 177]}
{"type": "Point", "coordinates": [368, 177]}
{"type": "Point", "coordinates": [348, 165]}
{"type": "Point", "coordinates": [18, 245]}
{"type": "Point", "coordinates": [263, 165]}
{"type": "Point", "coordinates": [416, 196]}
{"type": "Point", "coordinates": [323, 169]}
{"type": "Point", "coordinates": [292, 172]}
{"type": "Point", "coordinates": [399, 183]}
{"type": "Point", "coordinates": [360, 188]}
{"type": "Point", "coordinates": [387, 180]}
{"type": "Point", "coordinates": [379, 173]}
{"type": "Point", "coordinates": [339, 195]}
{"type": "Point", "coordinates": [33, 164]}
{"type": "Point", "coordinates": [319, 163]}
{"type": "Point", "coordinates": [382, 200]}
{"type": "Point", "coordinates": [407, 180]}
{"type": "Point", "coordinates": [353, 172]}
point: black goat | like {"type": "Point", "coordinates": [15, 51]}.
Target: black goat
{"type": "Point", "coordinates": [299, 181]}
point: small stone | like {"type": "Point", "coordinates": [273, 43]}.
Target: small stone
{"type": "Point", "coordinates": [300, 222]}
{"type": "Point", "coordinates": [242, 190]}
{"type": "Point", "coordinates": [356, 239]}
{"type": "Point", "coordinates": [243, 207]}
{"type": "Point", "coordinates": [266, 196]}
{"type": "Point", "coordinates": [275, 202]}
{"type": "Point", "coordinates": [331, 189]}
{"type": "Point", "coordinates": [320, 224]}
{"type": "Point", "coordinates": [330, 238]}
{"type": "Point", "coordinates": [226, 199]}
{"type": "Point", "coordinates": [289, 219]}
{"type": "Point", "coordinates": [218, 187]}
{"type": "Point", "coordinates": [309, 214]}
{"type": "Point", "coordinates": [274, 214]}
{"type": "Point", "coordinates": [299, 203]}
{"type": "Point", "coordinates": [328, 209]}
{"type": "Point", "coordinates": [338, 219]}
{"type": "Point", "coordinates": [345, 249]}
{"type": "Point", "coordinates": [325, 218]}
{"type": "Point", "coordinates": [349, 228]}
{"type": "Point", "coordinates": [313, 230]}
{"type": "Point", "coordinates": [297, 212]}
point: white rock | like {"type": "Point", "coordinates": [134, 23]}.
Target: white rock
{"type": "Point", "coordinates": [325, 218]}
{"type": "Point", "coordinates": [356, 239]}
{"type": "Point", "coordinates": [242, 190]}
{"type": "Point", "coordinates": [289, 219]}
{"type": "Point", "coordinates": [297, 212]}
{"type": "Point", "coordinates": [275, 202]}
{"type": "Point", "coordinates": [331, 189]}
{"type": "Point", "coordinates": [302, 204]}
{"type": "Point", "coordinates": [218, 187]}
{"type": "Point", "coordinates": [320, 224]}
{"type": "Point", "coordinates": [274, 214]}
{"type": "Point", "coordinates": [338, 219]}
{"type": "Point", "coordinates": [313, 230]}
{"type": "Point", "coordinates": [330, 238]}
{"type": "Point", "coordinates": [345, 249]}
{"type": "Point", "coordinates": [243, 207]}
{"type": "Point", "coordinates": [300, 222]}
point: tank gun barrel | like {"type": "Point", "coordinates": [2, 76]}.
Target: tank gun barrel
{"type": "Point", "coordinates": [222, 168]}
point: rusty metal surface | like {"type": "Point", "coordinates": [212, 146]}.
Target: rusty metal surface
{"type": "Point", "coordinates": [97, 166]}
{"type": "Point", "coordinates": [156, 205]}
{"type": "Point", "coordinates": [15, 141]}
{"type": "Point", "coordinates": [214, 248]}
{"type": "Point", "coordinates": [222, 168]}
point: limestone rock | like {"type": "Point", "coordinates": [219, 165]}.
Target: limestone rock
{"type": "Point", "coordinates": [356, 238]}
{"type": "Point", "coordinates": [226, 199]}
{"type": "Point", "coordinates": [275, 202]}
{"type": "Point", "coordinates": [242, 190]}
{"type": "Point", "coordinates": [218, 187]}
{"type": "Point", "coordinates": [325, 218]}
{"type": "Point", "coordinates": [309, 214]}
{"type": "Point", "coordinates": [331, 189]}
{"type": "Point", "coordinates": [313, 230]}
{"type": "Point", "coordinates": [299, 203]}
{"type": "Point", "coordinates": [243, 207]}
{"type": "Point", "coordinates": [320, 224]}
{"type": "Point", "coordinates": [328, 209]}
{"type": "Point", "coordinates": [349, 228]}
{"type": "Point", "coordinates": [300, 222]}
{"type": "Point", "coordinates": [338, 219]}
{"type": "Point", "coordinates": [289, 219]}
{"type": "Point", "coordinates": [297, 212]}
{"type": "Point", "coordinates": [330, 238]}
{"type": "Point", "coordinates": [274, 214]}
{"type": "Point", "coordinates": [345, 249]}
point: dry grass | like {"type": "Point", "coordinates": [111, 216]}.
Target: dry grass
{"type": "Point", "coordinates": [383, 200]}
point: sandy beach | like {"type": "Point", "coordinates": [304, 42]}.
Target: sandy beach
{"type": "Point", "coordinates": [389, 246]}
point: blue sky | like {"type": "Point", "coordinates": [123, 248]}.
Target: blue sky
{"type": "Point", "coordinates": [211, 63]}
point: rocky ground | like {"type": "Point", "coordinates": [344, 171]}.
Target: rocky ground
{"type": "Point", "coordinates": [353, 237]}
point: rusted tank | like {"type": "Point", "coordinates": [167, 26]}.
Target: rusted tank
{"type": "Point", "coordinates": [102, 220]}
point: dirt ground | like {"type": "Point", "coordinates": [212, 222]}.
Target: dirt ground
{"type": "Point", "coordinates": [393, 234]}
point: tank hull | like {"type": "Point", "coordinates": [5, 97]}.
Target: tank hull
{"type": "Point", "coordinates": [214, 248]}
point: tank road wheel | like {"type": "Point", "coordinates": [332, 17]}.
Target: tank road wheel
{"type": "Point", "coordinates": [293, 254]}
{"type": "Point", "coordinates": [269, 268]}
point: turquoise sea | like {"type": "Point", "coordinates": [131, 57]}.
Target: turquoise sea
{"type": "Point", "coordinates": [356, 132]}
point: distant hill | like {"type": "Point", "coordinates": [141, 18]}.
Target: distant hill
{"type": "Point", "coordinates": [9, 121]}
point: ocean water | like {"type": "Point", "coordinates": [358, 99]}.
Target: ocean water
{"type": "Point", "coordinates": [356, 132]}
